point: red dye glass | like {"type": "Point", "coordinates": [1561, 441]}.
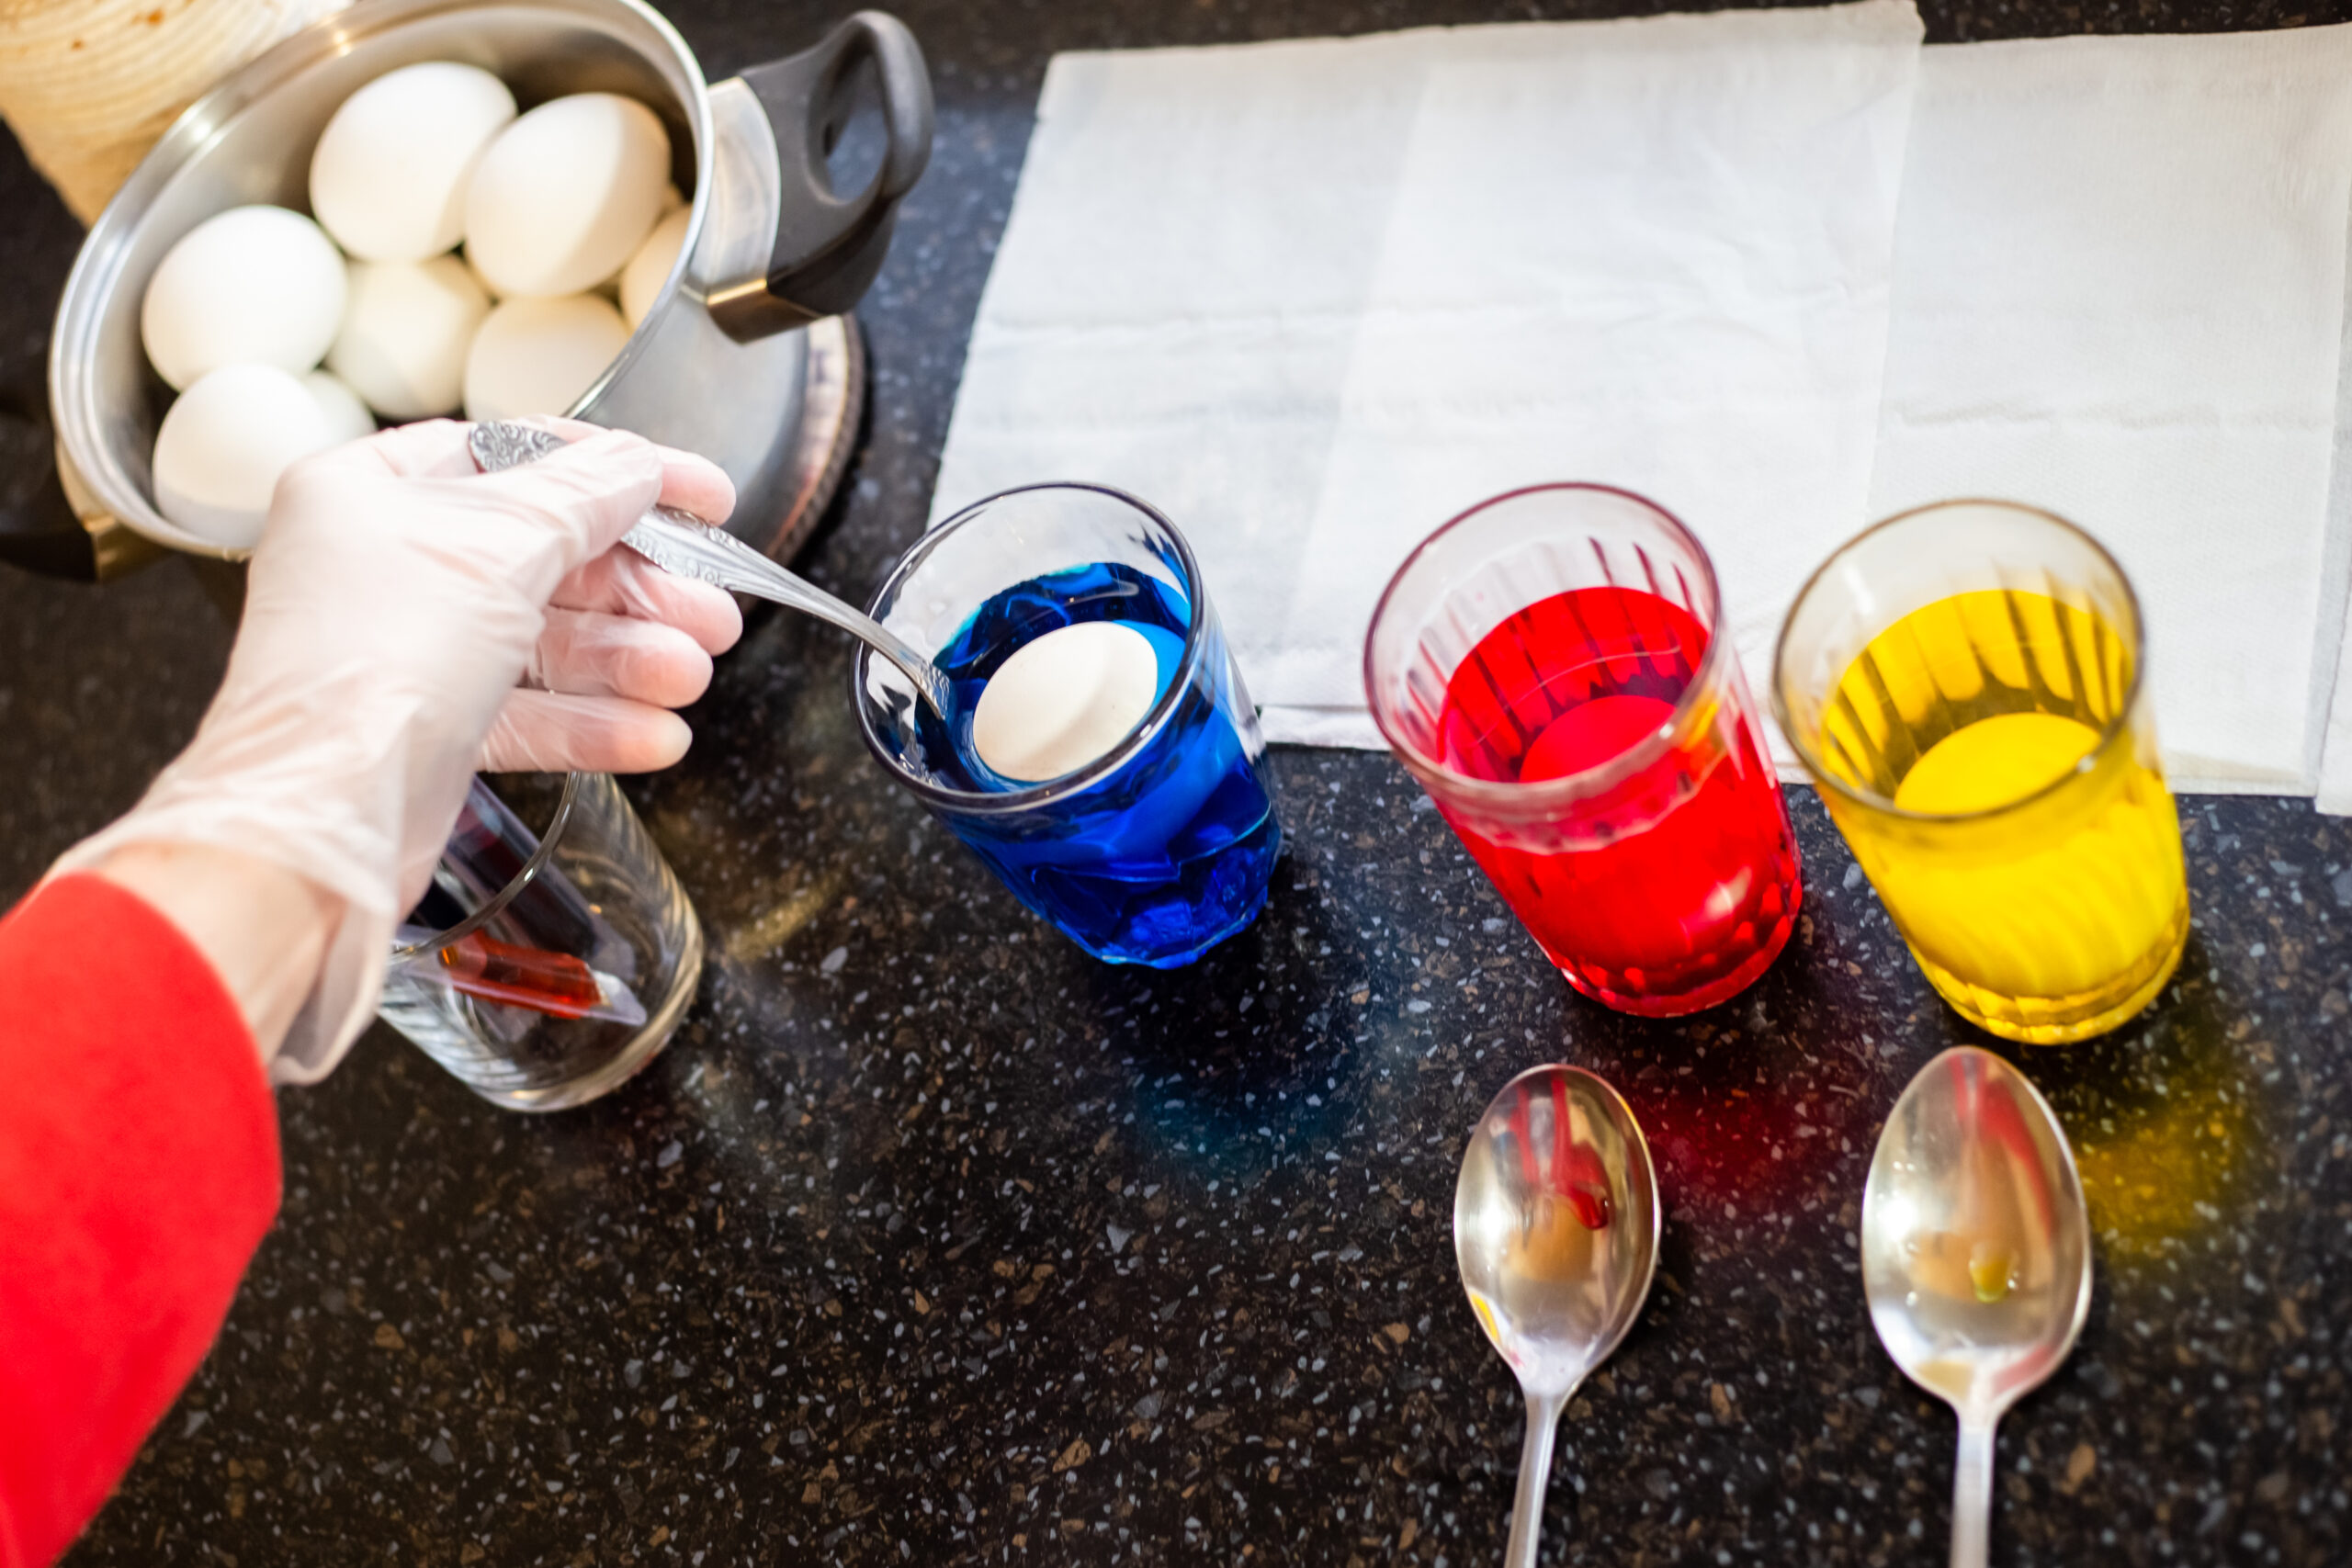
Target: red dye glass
{"type": "Point", "coordinates": [1661, 892]}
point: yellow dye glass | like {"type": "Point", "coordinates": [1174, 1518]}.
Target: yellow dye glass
{"type": "Point", "coordinates": [2010, 811]}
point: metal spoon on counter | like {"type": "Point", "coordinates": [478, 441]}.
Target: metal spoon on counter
{"type": "Point", "coordinates": [680, 543]}
{"type": "Point", "coordinates": [1976, 1256]}
{"type": "Point", "coordinates": [1555, 1228]}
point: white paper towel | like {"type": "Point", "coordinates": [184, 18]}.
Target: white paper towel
{"type": "Point", "coordinates": [1175, 299]}
{"type": "Point", "coordinates": [1659, 258]}
{"type": "Point", "coordinates": [1314, 299]}
{"type": "Point", "coordinates": [2119, 275]}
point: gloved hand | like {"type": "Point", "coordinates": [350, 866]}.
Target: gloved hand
{"type": "Point", "coordinates": [395, 599]}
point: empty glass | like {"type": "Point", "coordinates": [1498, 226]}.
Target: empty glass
{"type": "Point", "coordinates": [545, 967]}
{"type": "Point", "coordinates": [1162, 848]}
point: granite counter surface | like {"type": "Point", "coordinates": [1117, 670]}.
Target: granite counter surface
{"type": "Point", "coordinates": [930, 1241]}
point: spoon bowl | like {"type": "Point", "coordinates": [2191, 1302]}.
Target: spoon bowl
{"type": "Point", "coordinates": [1555, 1230]}
{"type": "Point", "coordinates": [1976, 1255]}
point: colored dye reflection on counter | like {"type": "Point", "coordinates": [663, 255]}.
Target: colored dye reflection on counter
{"type": "Point", "coordinates": [1691, 906]}
{"type": "Point", "coordinates": [1169, 852]}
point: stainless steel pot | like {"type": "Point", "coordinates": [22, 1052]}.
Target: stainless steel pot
{"type": "Point", "coordinates": [717, 367]}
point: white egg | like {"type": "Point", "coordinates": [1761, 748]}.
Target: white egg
{"type": "Point", "coordinates": [647, 270]}
{"type": "Point", "coordinates": [538, 356]}
{"type": "Point", "coordinates": [405, 333]}
{"type": "Point", "coordinates": [1064, 700]}
{"type": "Point", "coordinates": [564, 197]}
{"type": "Point", "coordinates": [223, 445]}
{"type": "Point", "coordinates": [347, 418]}
{"type": "Point", "coordinates": [251, 285]}
{"type": "Point", "coordinates": [389, 176]}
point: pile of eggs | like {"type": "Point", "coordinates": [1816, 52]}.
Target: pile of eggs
{"type": "Point", "coordinates": [569, 226]}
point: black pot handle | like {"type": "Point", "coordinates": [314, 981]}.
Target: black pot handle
{"type": "Point", "coordinates": [38, 530]}
{"type": "Point", "coordinates": [828, 246]}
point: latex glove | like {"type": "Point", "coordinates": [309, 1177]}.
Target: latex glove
{"type": "Point", "coordinates": [619, 627]}
{"type": "Point", "coordinates": [395, 599]}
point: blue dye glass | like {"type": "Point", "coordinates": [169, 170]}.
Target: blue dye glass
{"type": "Point", "coordinates": [1171, 849]}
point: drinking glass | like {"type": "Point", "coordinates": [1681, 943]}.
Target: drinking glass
{"type": "Point", "coordinates": [1552, 666]}
{"type": "Point", "coordinates": [545, 965]}
{"type": "Point", "coordinates": [1966, 685]}
{"type": "Point", "coordinates": [1162, 847]}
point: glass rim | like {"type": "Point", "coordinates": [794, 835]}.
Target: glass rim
{"type": "Point", "coordinates": [1044, 792]}
{"type": "Point", "coordinates": [2112, 731]}
{"type": "Point", "coordinates": [515, 884]}
{"type": "Point", "coordinates": [1612, 771]}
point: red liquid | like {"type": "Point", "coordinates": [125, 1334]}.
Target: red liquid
{"type": "Point", "coordinates": [1669, 890]}
{"type": "Point", "coordinates": [553, 983]}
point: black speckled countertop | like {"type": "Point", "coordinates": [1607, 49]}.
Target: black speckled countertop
{"type": "Point", "coordinates": [930, 1241]}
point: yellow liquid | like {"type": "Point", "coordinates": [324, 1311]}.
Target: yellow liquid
{"type": "Point", "coordinates": [2044, 910]}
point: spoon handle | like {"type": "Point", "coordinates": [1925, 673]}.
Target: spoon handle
{"type": "Point", "coordinates": [687, 547]}
{"type": "Point", "coordinates": [1971, 1494]}
{"type": "Point", "coordinates": [678, 544]}
{"type": "Point", "coordinates": [1534, 1480]}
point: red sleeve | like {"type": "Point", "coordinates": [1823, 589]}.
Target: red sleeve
{"type": "Point", "coordinates": [138, 1172]}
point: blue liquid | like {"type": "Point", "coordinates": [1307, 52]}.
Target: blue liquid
{"type": "Point", "coordinates": [1171, 853]}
